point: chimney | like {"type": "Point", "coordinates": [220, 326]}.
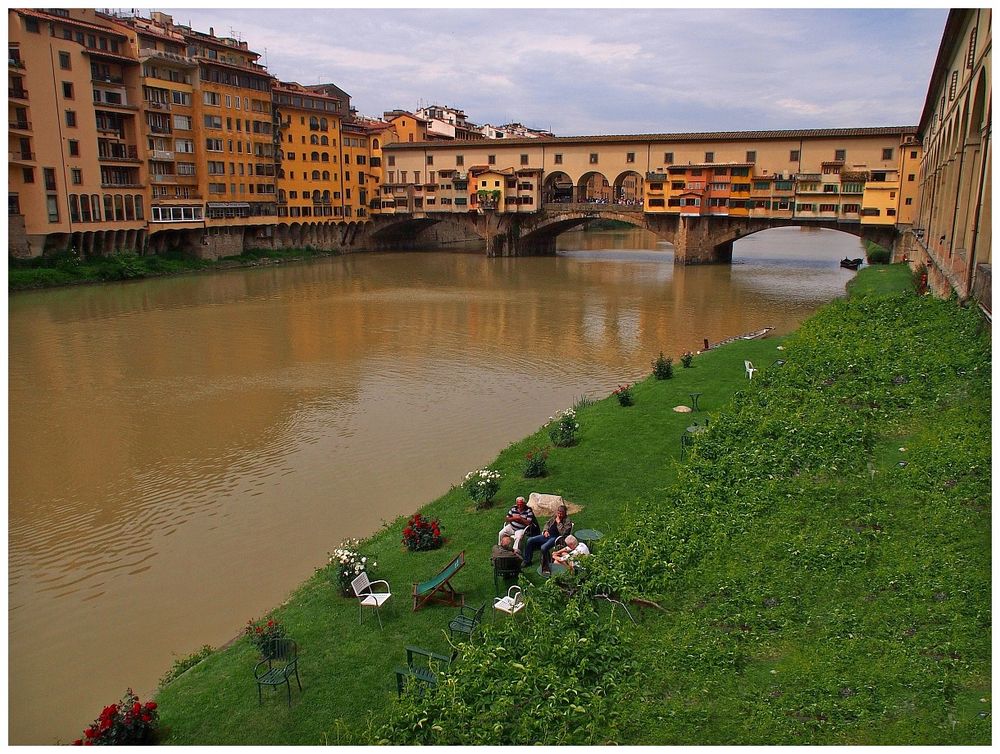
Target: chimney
{"type": "Point", "coordinates": [211, 31]}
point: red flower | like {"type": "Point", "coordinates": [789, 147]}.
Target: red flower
{"type": "Point", "coordinates": [146, 717]}
{"type": "Point", "coordinates": [91, 732]}
{"type": "Point", "coordinates": [259, 629]}
{"type": "Point", "coordinates": [150, 705]}
{"type": "Point", "coordinates": [270, 623]}
{"type": "Point", "coordinates": [78, 742]}
{"type": "Point", "coordinates": [136, 708]}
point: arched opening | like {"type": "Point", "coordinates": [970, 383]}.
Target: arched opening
{"type": "Point", "coordinates": [557, 188]}
{"type": "Point", "coordinates": [313, 139]}
{"type": "Point", "coordinates": [628, 188]}
{"type": "Point", "coordinates": [325, 157]}
{"type": "Point", "coordinates": [374, 143]}
{"type": "Point", "coordinates": [802, 246]}
{"type": "Point", "coordinates": [593, 188]}
{"type": "Point", "coordinates": [324, 141]}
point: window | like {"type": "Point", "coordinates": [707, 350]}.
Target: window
{"type": "Point", "coordinates": [751, 156]}
{"type": "Point", "coordinates": [28, 175]}
{"type": "Point", "coordinates": [491, 159]}
{"type": "Point", "coordinates": [970, 58]}
{"type": "Point", "coordinates": [890, 212]}
{"type": "Point", "coordinates": [64, 63]}
{"type": "Point", "coordinates": [67, 89]}
{"type": "Point", "coordinates": [181, 98]}
{"type": "Point", "coordinates": [50, 178]}
{"type": "Point", "coordinates": [459, 160]}
{"type": "Point", "coordinates": [953, 86]}
{"type": "Point", "coordinates": [668, 158]}
{"type": "Point", "coordinates": [430, 159]}
{"type": "Point", "coordinates": [805, 207]}
{"type": "Point", "coordinates": [593, 158]}
{"type": "Point", "coordinates": [524, 159]}
{"type": "Point", "coordinates": [630, 157]}
{"type": "Point", "coordinates": [71, 118]}
{"type": "Point", "coordinates": [558, 159]}
{"type": "Point", "coordinates": [828, 208]}
{"type": "Point", "coordinates": [76, 176]}
{"type": "Point", "coordinates": [182, 122]}
{"type": "Point", "coordinates": [74, 148]}
{"type": "Point", "coordinates": [31, 24]}
{"type": "Point", "coordinates": [212, 98]}
{"type": "Point", "coordinates": [392, 159]}
{"type": "Point", "coordinates": [52, 205]}
{"type": "Point", "coordinates": [851, 209]}
{"type": "Point", "coordinates": [793, 155]}
{"type": "Point", "coordinates": [709, 156]}
{"type": "Point", "coordinates": [840, 155]}
{"type": "Point", "coordinates": [887, 153]}
{"type": "Point", "coordinates": [213, 145]}
{"type": "Point", "coordinates": [213, 121]}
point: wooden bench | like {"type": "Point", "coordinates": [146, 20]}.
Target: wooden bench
{"type": "Point", "coordinates": [423, 674]}
{"type": "Point", "coordinates": [439, 588]}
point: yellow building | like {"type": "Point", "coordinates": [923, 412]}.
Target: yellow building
{"type": "Point", "coordinates": [310, 183]}
{"type": "Point", "coordinates": [76, 176]}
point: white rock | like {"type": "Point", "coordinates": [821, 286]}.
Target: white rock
{"type": "Point", "coordinates": [545, 505]}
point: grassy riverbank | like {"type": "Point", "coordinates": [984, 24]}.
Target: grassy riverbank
{"type": "Point", "coordinates": [67, 269]}
{"type": "Point", "coordinates": [815, 590]}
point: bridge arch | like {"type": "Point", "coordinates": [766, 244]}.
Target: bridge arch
{"type": "Point", "coordinates": [558, 187]}
{"type": "Point", "coordinates": [594, 187]}
{"type": "Point", "coordinates": [628, 188]}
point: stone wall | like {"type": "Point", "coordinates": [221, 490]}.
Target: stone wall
{"type": "Point", "coordinates": [17, 238]}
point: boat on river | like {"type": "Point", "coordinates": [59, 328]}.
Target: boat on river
{"type": "Point", "coordinates": [755, 335]}
{"type": "Point", "coordinates": [851, 264]}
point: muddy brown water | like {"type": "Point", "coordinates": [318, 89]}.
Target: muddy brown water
{"type": "Point", "coordinates": [162, 432]}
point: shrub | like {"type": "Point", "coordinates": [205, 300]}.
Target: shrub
{"type": "Point", "coordinates": [348, 564]}
{"type": "Point", "coordinates": [583, 402]}
{"type": "Point", "coordinates": [122, 266]}
{"type": "Point", "coordinates": [422, 533]}
{"type": "Point", "coordinates": [624, 395]}
{"type": "Point", "coordinates": [261, 633]}
{"type": "Point", "coordinates": [184, 664]}
{"type": "Point", "coordinates": [128, 722]}
{"type": "Point", "coordinates": [663, 368]}
{"type": "Point", "coordinates": [563, 434]}
{"type": "Point", "coordinates": [686, 359]}
{"type": "Point", "coordinates": [534, 465]}
{"type": "Point", "coordinates": [482, 485]}
{"type": "Point", "coordinates": [877, 254]}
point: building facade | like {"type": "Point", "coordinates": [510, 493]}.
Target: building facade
{"type": "Point", "coordinates": [953, 223]}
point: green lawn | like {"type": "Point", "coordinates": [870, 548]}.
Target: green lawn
{"type": "Point", "coordinates": [815, 591]}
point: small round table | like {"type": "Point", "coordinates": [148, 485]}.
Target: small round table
{"type": "Point", "coordinates": [588, 535]}
{"type": "Point", "coordinates": [694, 401]}
{"type": "Point", "coordinates": [696, 429]}
{"type": "Point", "coordinates": [554, 567]}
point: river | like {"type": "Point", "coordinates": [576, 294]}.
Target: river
{"type": "Point", "coordinates": [164, 433]}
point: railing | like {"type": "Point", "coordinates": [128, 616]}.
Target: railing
{"type": "Point", "coordinates": [158, 105]}
{"type": "Point", "coordinates": [21, 125]}
{"type": "Point", "coordinates": [162, 154]}
{"type": "Point", "coordinates": [21, 156]}
{"type": "Point", "coordinates": [15, 62]}
{"type": "Point", "coordinates": [163, 177]}
{"type": "Point", "coordinates": [17, 93]}
{"type": "Point", "coordinates": [108, 79]}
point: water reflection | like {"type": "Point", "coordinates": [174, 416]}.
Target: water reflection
{"type": "Point", "coordinates": [160, 431]}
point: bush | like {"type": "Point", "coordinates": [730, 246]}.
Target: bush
{"type": "Point", "coordinates": [348, 564]}
{"type": "Point", "coordinates": [422, 533]}
{"type": "Point", "coordinates": [184, 664]}
{"type": "Point", "coordinates": [686, 359]}
{"type": "Point", "coordinates": [534, 466]}
{"type": "Point", "coordinates": [624, 395]}
{"type": "Point", "coordinates": [128, 722]}
{"type": "Point", "coordinates": [663, 367]}
{"type": "Point", "coordinates": [122, 266]}
{"type": "Point", "coordinates": [482, 485]}
{"type": "Point", "coordinates": [261, 633]}
{"type": "Point", "coordinates": [877, 254]}
{"type": "Point", "coordinates": [563, 434]}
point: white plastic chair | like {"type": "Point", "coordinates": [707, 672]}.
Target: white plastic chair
{"type": "Point", "coordinates": [367, 597]}
{"type": "Point", "coordinates": [511, 604]}
{"type": "Point", "coordinates": [750, 369]}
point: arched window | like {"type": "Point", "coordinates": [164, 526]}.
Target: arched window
{"type": "Point", "coordinates": [109, 208]}
{"type": "Point", "coordinates": [315, 175]}
{"type": "Point", "coordinates": [315, 196]}
{"type": "Point", "coordinates": [324, 141]}
{"type": "Point", "coordinates": [281, 172]}
{"type": "Point", "coordinates": [84, 208]}
{"type": "Point", "coordinates": [326, 175]}
{"type": "Point", "coordinates": [129, 207]}
{"type": "Point", "coordinates": [374, 143]}
{"type": "Point", "coordinates": [74, 209]}
{"type": "Point", "coordinates": [138, 207]}
{"type": "Point", "coordinates": [313, 139]}
{"type": "Point", "coordinates": [322, 124]}
{"type": "Point", "coordinates": [119, 208]}
{"type": "Point", "coordinates": [325, 157]}
{"type": "Point", "coordinates": [314, 156]}
{"type": "Point", "coordinates": [313, 123]}
{"type": "Point", "coordinates": [281, 195]}
{"type": "Point", "coordinates": [326, 196]}
{"type": "Point", "coordinates": [95, 206]}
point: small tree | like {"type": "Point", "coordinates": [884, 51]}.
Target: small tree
{"type": "Point", "coordinates": [663, 367]}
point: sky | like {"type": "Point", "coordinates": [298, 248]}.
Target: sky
{"type": "Point", "coordinates": [611, 71]}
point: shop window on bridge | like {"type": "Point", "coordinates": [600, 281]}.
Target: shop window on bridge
{"type": "Point", "coordinates": [828, 208]}
{"type": "Point", "coordinates": [761, 204]}
{"type": "Point", "coordinates": [670, 202]}
{"type": "Point", "coordinates": [720, 171]}
{"type": "Point", "coordinates": [677, 185]}
{"type": "Point", "coordinates": [656, 203]}
{"type": "Point", "coordinates": [805, 207]}
{"type": "Point", "coordinates": [741, 172]}
{"type": "Point", "coordinates": [851, 209]}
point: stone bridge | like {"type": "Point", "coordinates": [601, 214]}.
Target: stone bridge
{"type": "Point", "coordinates": [696, 239]}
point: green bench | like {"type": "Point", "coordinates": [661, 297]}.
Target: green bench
{"type": "Point", "coordinates": [438, 588]}
{"type": "Point", "coordinates": [423, 674]}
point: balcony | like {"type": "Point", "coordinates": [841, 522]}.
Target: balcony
{"type": "Point", "coordinates": [20, 125]}
{"type": "Point", "coordinates": [118, 153]}
{"type": "Point", "coordinates": [157, 105]}
{"type": "Point", "coordinates": [16, 92]}
{"type": "Point", "coordinates": [107, 79]}
{"type": "Point", "coordinates": [122, 186]}
{"type": "Point", "coordinates": [15, 62]}
{"type": "Point", "coordinates": [170, 57]}
{"type": "Point", "coordinates": [161, 154]}
{"type": "Point", "coordinates": [155, 129]}
{"type": "Point", "coordinates": [21, 157]}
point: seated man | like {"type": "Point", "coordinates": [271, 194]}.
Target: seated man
{"type": "Point", "coordinates": [557, 526]}
{"type": "Point", "coordinates": [519, 520]}
{"type": "Point", "coordinates": [573, 550]}
{"type": "Point", "coordinates": [504, 555]}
